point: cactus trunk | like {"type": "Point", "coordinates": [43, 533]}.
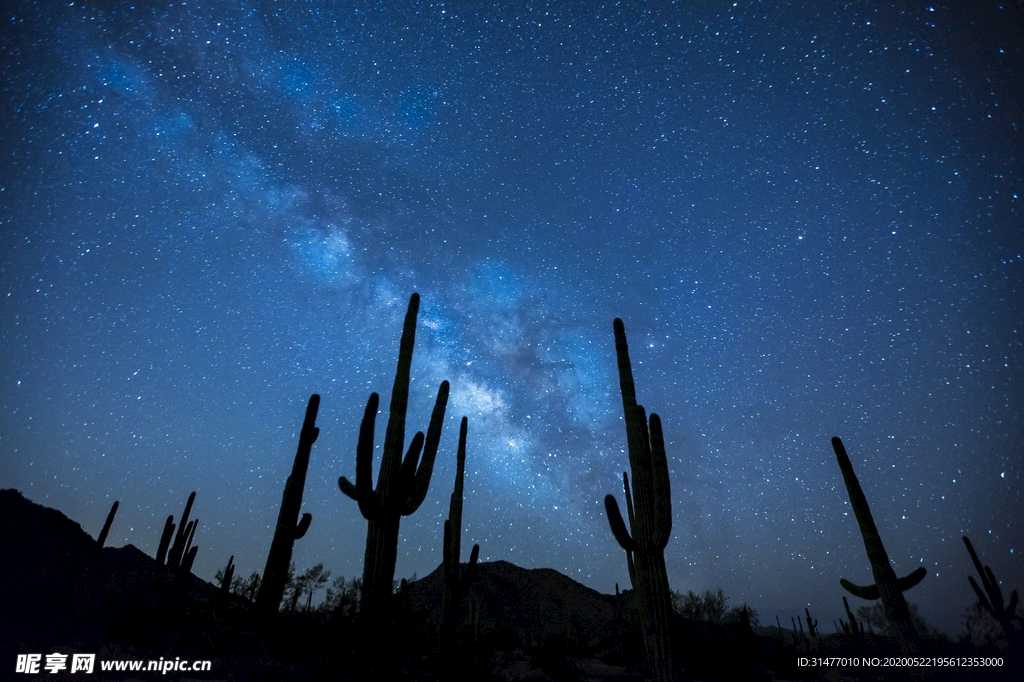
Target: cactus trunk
{"type": "Point", "coordinates": [289, 527]}
{"type": "Point", "coordinates": [379, 562]}
{"type": "Point", "coordinates": [106, 525]}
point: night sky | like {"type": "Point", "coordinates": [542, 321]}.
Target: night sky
{"type": "Point", "coordinates": [808, 216]}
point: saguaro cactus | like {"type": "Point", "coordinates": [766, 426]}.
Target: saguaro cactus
{"type": "Point", "coordinates": [887, 586]}
{"type": "Point", "coordinates": [106, 525]}
{"type": "Point", "coordinates": [401, 484]}
{"type": "Point", "coordinates": [289, 527]}
{"type": "Point", "coordinates": [992, 599]}
{"type": "Point", "coordinates": [850, 625]}
{"type": "Point", "coordinates": [181, 554]}
{"type": "Point", "coordinates": [812, 624]}
{"type": "Point", "coordinates": [456, 580]}
{"type": "Point", "coordinates": [651, 520]}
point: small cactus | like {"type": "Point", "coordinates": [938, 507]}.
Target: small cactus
{"type": "Point", "coordinates": [992, 599]}
{"type": "Point", "coordinates": [812, 624]}
{"type": "Point", "coordinates": [851, 626]}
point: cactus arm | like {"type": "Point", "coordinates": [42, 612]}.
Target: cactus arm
{"type": "Point", "coordinates": [368, 499]}
{"type": "Point", "coordinates": [303, 526]}
{"type": "Point", "coordinates": [190, 557]}
{"type": "Point", "coordinates": [418, 490]}
{"type": "Point", "coordinates": [981, 595]}
{"type": "Point", "coordinates": [618, 526]}
{"type": "Point", "coordinates": [974, 557]}
{"type": "Point", "coordinates": [662, 498]}
{"type": "Point", "coordinates": [177, 550]}
{"type": "Point", "coordinates": [348, 488]}
{"type": "Point", "coordinates": [911, 579]}
{"type": "Point", "coordinates": [869, 592]}
{"type": "Point", "coordinates": [412, 458]}
{"type": "Point", "coordinates": [394, 436]}
{"type": "Point", "coordinates": [852, 629]}
{"type": "Point", "coordinates": [184, 516]}
{"type": "Point", "coordinates": [191, 535]}
{"type": "Point", "coordinates": [229, 573]}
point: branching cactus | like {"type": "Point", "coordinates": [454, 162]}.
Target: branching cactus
{"type": "Point", "coordinates": [401, 483]}
{"type": "Point", "coordinates": [106, 525]}
{"type": "Point", "coordinates": [456, 580]}
{"type": "Point", "coordinates": [650, 520]}
{"type": "Point", "coordinates": [289, 527]}
{"type": "Point", "coordinates": [180, 555]}
{"type": "Point", "coordinates": [992, 599]}
{"type": "Point", "coordinates": [812, 624]}
{"type": "Point", "coordinates": [887, 586]}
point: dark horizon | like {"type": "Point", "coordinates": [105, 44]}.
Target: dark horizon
{"type": "Point", "coordinates": [808, 219]}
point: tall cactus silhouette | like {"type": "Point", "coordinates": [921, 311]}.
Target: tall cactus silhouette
{"type": "Point", "coordinates": [289, 527]}
{"type": "Point", "coordinates": [887, 586]}
{"type": "Point", "coordinates": [401, 484]}
{"type": "Point", "coordinates": [650, 520]}
{"type": "Point", "coordinates": [456, 580]}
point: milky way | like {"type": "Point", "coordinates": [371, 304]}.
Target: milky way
{"type": "Point", "coordinates": [809, 219]}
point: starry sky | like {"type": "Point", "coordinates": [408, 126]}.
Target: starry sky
{"type": "Point", "coordinates": [808, 216]}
